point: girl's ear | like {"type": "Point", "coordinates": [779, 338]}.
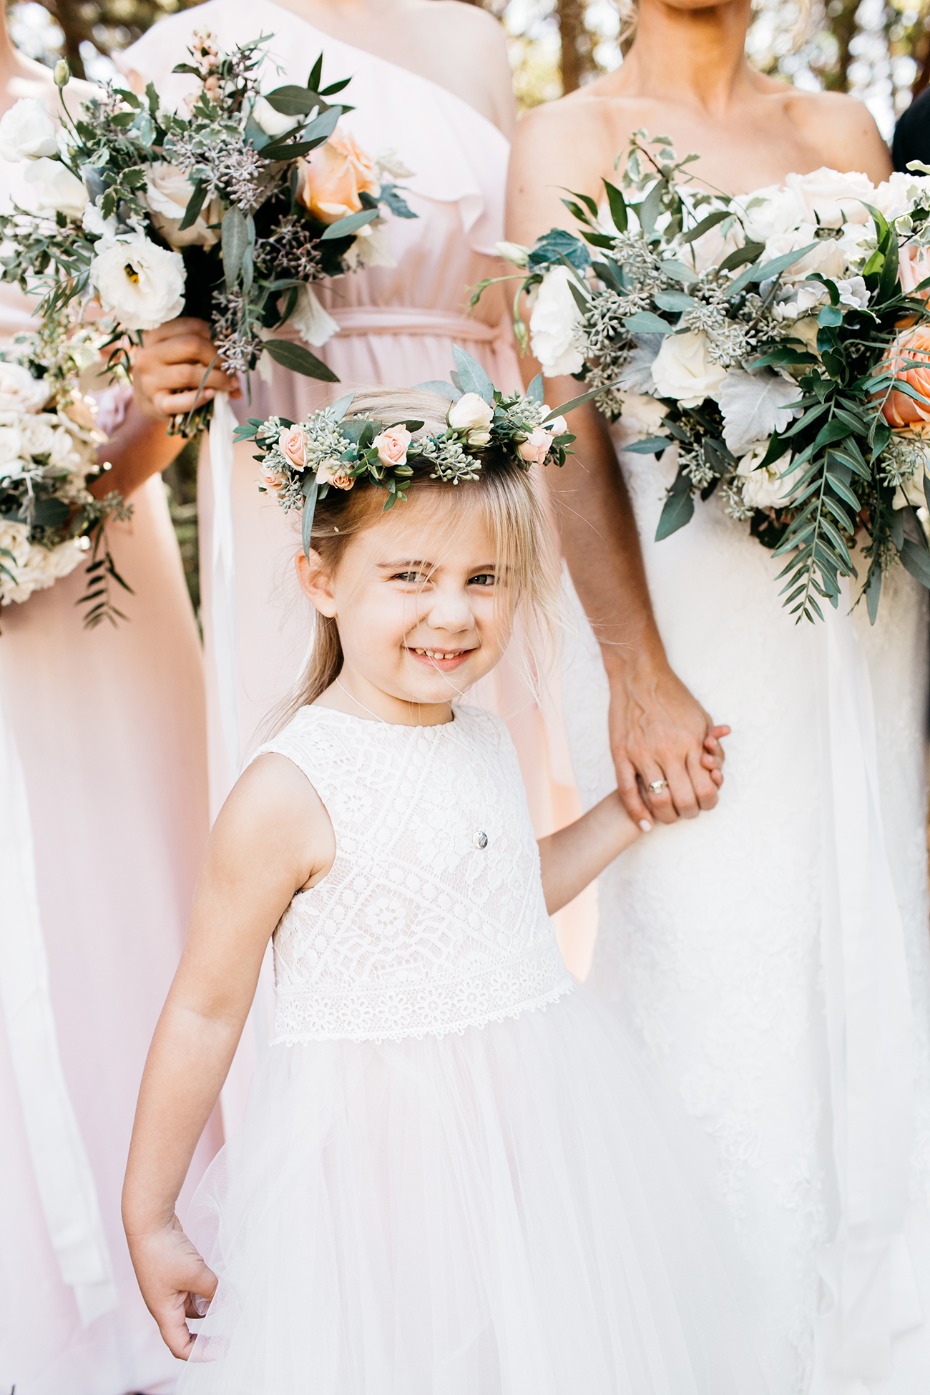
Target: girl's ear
{"type": "Point", "coordinates": [316, 582]}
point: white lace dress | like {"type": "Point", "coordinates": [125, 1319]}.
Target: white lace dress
{"type": "Point", "coordinates": [454, 1177]}
{"type": "Point", "coordinates": [774, 957]}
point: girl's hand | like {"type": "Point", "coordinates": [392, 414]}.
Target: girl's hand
{"type": "Point", "coordinates": [714, 754]}
{"type": "Point", "coordinates": [175, 370]}
{"type": "Point", "coordinates": [175, 1283]}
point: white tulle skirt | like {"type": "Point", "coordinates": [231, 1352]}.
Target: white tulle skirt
{"type": "Point", "coordinates": [511, 1211]}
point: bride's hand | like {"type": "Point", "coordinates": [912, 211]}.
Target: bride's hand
{"type": "Point", "coordinates": [175, 1282]}
{"type": "Point", "coordinates": [175, 370]}
{"type": "Point", "coordinates": [660, 733]}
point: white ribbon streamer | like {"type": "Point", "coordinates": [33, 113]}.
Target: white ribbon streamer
{"type": "Point", "coordinates": [223, 570]}
{"type": "Point", "coordinates": [62, 1171]}
{"type": "Point", "coordinates": [867, 1269]}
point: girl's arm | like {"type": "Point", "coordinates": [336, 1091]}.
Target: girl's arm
{"type": "Point", "coordinates": [571, 858]}
{"type": "Point", "coordinates": [272, 837]}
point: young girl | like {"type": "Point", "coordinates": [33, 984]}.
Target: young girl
{"type": "Point", "coordinates": [453, 1178]}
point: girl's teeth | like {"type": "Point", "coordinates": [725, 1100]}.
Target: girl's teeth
{"type": "Point", "coordinates": [436, 654]}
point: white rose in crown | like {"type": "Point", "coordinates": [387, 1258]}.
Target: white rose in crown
{"type": "Point", "coordinates": [831, 198]}
{"type": "Point", "coordinates": [167, 193]}
{"type": "Point", "coordinates": [553, 322]}
{"type": "Point", "coordinates": [19, 390]}
{"type": "Point", "coordinates": [764, 488]}
{"type": "Point", "coordinates": [472, 416]}
{"type": "Point", "coordinates": [27, 131]}
{"type": "Point", "coordinates": [684, 370]}
{"type": "Point", "coordinates": [138, 282]}
{"type": "Point", "coordinates": [50, 187]}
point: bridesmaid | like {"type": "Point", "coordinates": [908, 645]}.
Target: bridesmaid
{"type": "Point", "coordinates": [102, 822]}
{"type": "Point", "coordinates": [432, 85]}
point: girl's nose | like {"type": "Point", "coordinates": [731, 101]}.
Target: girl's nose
{"type": "Point", "coordinates": [450, 610]}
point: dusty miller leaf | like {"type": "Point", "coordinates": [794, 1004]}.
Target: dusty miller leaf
{"type": "Point", "coordinates": [755, 405]}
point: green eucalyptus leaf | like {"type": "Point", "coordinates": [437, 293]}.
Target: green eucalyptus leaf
{"type": "Point", "coordinates": [299, 360]}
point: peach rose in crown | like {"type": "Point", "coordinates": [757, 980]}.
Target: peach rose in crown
{"type": "Point", "coordinates": [270, 477]}
{"type": "Point", "coordinates": [911, 348]}
{"type": "Point", "coordinates": [292, 443]}
{"type": "Point", "coordinates": [392, 445]}
{"type": "Point", "coordinates": [333, 177]}
{"type": "Point", "coordinates": [536, 446]}
{"type": "Point", "coordinates": [336, 473]}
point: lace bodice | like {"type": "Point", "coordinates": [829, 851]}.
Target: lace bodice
{"type": "Point", "coordinates": [432, 917]}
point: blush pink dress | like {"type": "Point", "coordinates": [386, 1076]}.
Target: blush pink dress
{"type": "Point", "coordinates": [103, 817]}
{"type": "Point", "coordinates": [397, 327]}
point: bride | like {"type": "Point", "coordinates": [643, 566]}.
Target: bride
{"type": "Point", "coordinates": [774, 959]}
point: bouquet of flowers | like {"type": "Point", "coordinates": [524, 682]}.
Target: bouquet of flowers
{"type": "Point", "coordinates": [784, 339]}
{"type": "Point", "coordinates": [50, 522]}
{"type": "Point", "coordinates": [229, 210]}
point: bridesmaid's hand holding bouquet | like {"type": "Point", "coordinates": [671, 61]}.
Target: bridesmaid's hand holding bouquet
{"type": "Point", "coordinates": [227, 212]}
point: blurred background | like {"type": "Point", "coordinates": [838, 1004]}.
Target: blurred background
{"type": "Point", "coordinates": [879, 51]}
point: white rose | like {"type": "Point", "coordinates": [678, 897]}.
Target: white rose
{"type": "Point", "coordinates": [167, 193]}
{"type": "Point", "coordinates": [558, 425]}
{"type": "Point", "coordinates": [829, 255]}
{"type": "Point", "coordinates": [38, 435]}
{"type": "Point", "coordinates": [553, 322]}
{"type": "Point", "coordinates": [139, 283]}
{"type": "Point", "coordinates": [314, 325]}
{"type": "Point", "coordinates": [19, 390]}
{"type": "Point", "coordinates": [472, 416]}
{"type": "Point", "coordinates": [27, 131]}
{"type": "Point", "coordinates": [14, 538]}
{"type": "Point", "coordinates": [831, 198]}
{"type": "Point", "coordinates": [273, 123]}
{"type": "Point", "coordinates": [684, 370]}
{"type": "Point", "coordinates": [62, 450]}
{"type": "Point", "coordinates": [770, 211]}
{"type": "Point", "coordinates": [50, 187]}
{"type": "Point", "coordinates": [764, 488]}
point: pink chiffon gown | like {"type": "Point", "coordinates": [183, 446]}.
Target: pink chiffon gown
{"type": "Point", "coordinates": [103, 816]}
{"type": "Point", "coordinates": [397, 327]}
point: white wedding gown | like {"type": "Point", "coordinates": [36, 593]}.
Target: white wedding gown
{"type": "Point", "coordinates": [773, 957]}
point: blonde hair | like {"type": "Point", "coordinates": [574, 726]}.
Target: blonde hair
{"type": "Point", "coordinates": [515, 513]}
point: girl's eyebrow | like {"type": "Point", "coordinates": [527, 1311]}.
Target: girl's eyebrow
{"type": "Point", "coordinates": [406, 564]}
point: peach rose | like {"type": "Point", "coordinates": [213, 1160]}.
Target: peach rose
{"type": "Point", "coordinates": [536, 447]}
{"type": "Point", "coordinates": [293, 446]}
{"type": "Point", "coordinates": [392, 445]}
{"type": "Point", "coordinates": [913, 346]}
{"type": "Point", "coordinates": [334, 175]}
{"type": "Point", "coordinates": [336, 473]}
{"type": "Point", "coordinates": [269, 477]}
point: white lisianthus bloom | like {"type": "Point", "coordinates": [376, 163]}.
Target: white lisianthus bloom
{"type": "Point", "coordinates": [19, 390]}
{"type": "Point", "coordinates": [553, 322]}
{"type": "Point", "coordinates": [273, 123]}
{"type": "Point", "coordinates": [50, 187]}
{"type": "Point", "coordinates": [93, 222]}
{"type": "Point", "coordinates": [372, 247]}
{"type": "Point", "coordinates": [684, 371]}
{"type": "Point", "coordinates": [831, 198]}
{"type": "Point", "coordinates": [167, 193]}
{"type": "Point", "coordinates": [314, 325]}
{"type": "Point", "coordinates": [138, 282]}
{"type": "Point", "coordinates": [27, 131]}
{"type": "Point", "coordinates": [764, 488]}
{"type": "Point", "coordinates": [472, 416]}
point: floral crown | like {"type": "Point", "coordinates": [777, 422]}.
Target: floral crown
{"type": "Point", "coordinates": [301, 461]}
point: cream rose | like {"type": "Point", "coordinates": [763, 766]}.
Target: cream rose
{"type": "Point", "coordinates": [392, 445]}
{"type": "Point", "coordinates": [167, 193]}
{"type": "Point", "coordinates": [553, 322]}
{"type": "Point", "coordinates": [764, 488]}
{"type": "Point", "coordinates": [684, 371]}
{"type": "Point", "coordinates": [536, 446]}
{"type": "Point", "coordinates": [292, 443]}
{"type": "Point", "coordinates": [27, 131]}
{"type": "Point", "coordinates": [19, 390]}
{"type": "Point", "coordinates": [138, 282]}
{"type": "Point", "coordinates": [50, 187]}
{"type": "Point", "coordinates": [336, 473]}
{"type": "Point", "coordinates": [472, 416]}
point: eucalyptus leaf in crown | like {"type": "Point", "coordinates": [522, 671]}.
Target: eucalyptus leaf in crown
{"type": "Point", "coordinates": [332, 449]}
{"type": "Point", "coordinates": [229, 210]}
{"type": "Point", "coordinates": [779, 341]}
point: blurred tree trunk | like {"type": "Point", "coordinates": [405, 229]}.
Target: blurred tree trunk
{"type": "Point", "coordinates": [577, 59]}
{"type": "Point", "coordinates": [842, 22]}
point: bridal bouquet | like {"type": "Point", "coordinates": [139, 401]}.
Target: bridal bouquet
{"type": "Point", "coordinates": [784, 341]}
{"type": "Point", "coordinates": [229, 210]}
{"type": "Point", "coordinates": [50, 523]}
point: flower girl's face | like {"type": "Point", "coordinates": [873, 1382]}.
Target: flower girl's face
{"type": "Point", "coordinates": [420, 603]}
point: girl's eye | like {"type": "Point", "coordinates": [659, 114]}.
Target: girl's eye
{"type": "Point", "coordinates": [483, 579]}
{"type": "Point", "coordinates": [409, 578]}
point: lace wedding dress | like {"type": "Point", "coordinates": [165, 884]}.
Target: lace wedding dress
{"type": "Point", "coordinates": [454, 1176]}
{"type": "Point", "coordinates": [774, 956]}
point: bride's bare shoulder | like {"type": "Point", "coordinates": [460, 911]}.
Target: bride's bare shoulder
{"type": "Point", "coordinates": [840, 129]}
{"type": "Point", "coordinates": [589, 127]}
